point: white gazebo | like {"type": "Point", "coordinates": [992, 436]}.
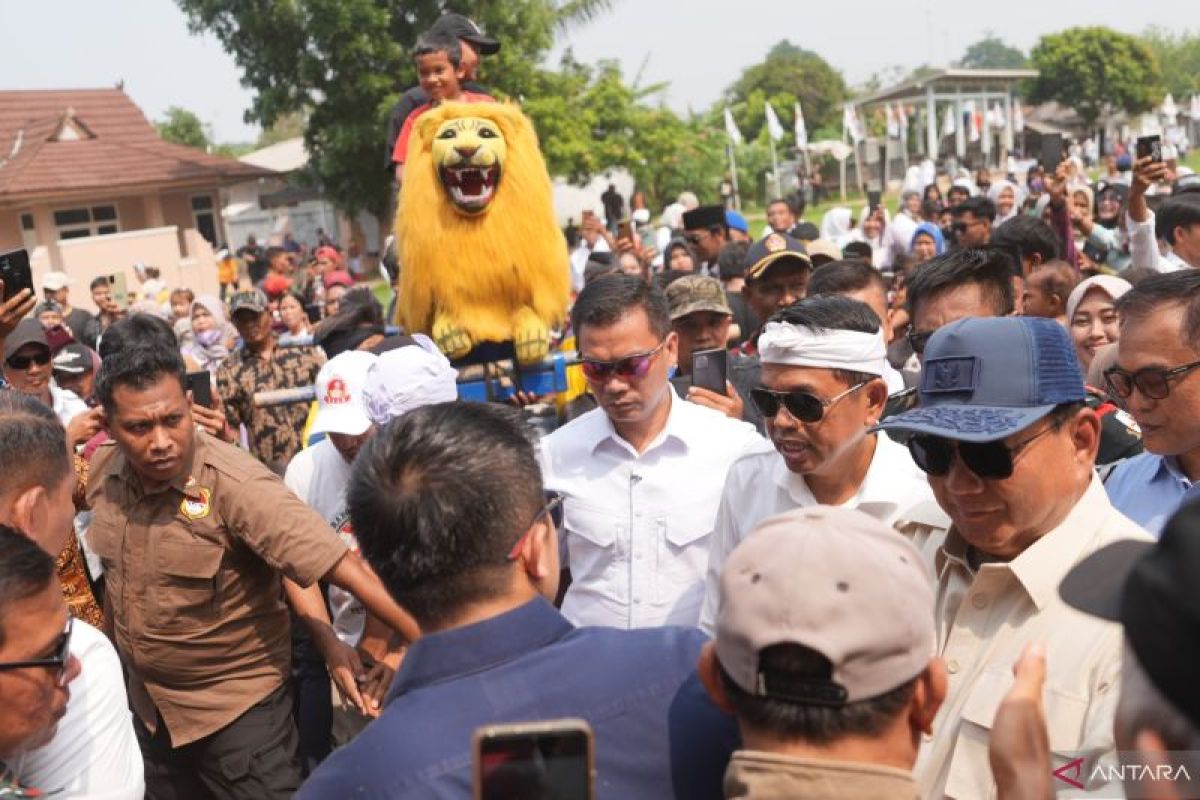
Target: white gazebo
{"type": "Point", "coordinates": [954, 92]}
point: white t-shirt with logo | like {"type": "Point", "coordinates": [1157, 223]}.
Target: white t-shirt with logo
{"type": "Point", "coordinates": [319, 476]}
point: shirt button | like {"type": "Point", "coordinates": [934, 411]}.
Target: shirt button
{"type": "Point", "coordinates": [952, 666]}
{"type": "Point", "coordinates": [979, 601]}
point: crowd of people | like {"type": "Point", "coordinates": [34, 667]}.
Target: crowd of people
{"type": "Point", "coordinates": [932, 538]}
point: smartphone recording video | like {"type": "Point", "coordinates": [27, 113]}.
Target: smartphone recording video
{"type": "Point", "coordinates": [534, 761]}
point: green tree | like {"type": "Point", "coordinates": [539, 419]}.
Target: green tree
{"type": "Point", "coordinates": [788, 73]}
{"type": "Point", "coordinates": [1178, 54]}
{"type": "Point", "coordinates": [346, 63]}
{"type": "Point", "coordinates": [1095, 71]}
{"type": "Point", "coordinates": [991, 52]}
{"type": "Point", "coordinates": [286, 126]}
{"type": "Point", "coordinates": [182, 127]}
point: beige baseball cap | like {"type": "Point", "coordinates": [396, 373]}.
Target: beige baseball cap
{"type": "Point", "coordinates": [836, 581]}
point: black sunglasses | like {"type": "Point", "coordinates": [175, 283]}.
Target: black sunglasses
{"type": "Point", "coordinates": [804, 406]}
{"type": "Point", "coordinates": [41, 358]}
{"type": "Point", "coordinates": [56, 661]}
{"type": "Point", "coordinates": [1153, 382]}
{"type": "Point", "coordinates": [988, 460]}
{"type": "Point", "coordinates": [554, 507]}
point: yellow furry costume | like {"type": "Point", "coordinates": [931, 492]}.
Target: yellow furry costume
{"type": "Point", "coordinates": [481, 256]}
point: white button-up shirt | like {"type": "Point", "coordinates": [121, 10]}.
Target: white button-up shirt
{"type": "Point", "coordinates": [986, 616]}
{"type": "Point", "coordinates": [636, 527]}
{"type": "Point", "coordinates": [760, 485]}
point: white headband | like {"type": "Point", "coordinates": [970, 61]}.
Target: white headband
{"type": "Point", "coordinates": [800, 346]}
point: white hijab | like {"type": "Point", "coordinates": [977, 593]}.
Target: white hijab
{"type": "Point", "coordinates": [1018, 199]}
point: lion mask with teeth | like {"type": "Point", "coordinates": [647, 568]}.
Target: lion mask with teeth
{"type": "Point", "coordinates": [481, 255]}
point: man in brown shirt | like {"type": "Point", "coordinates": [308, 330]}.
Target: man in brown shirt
{"type": "Point", "coordinates": [261, 365]}
{"type": "Point", "coordinates": [194, 535]}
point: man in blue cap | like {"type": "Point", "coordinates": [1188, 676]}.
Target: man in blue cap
{"type": "Point", "coordinates": [1009, 446]}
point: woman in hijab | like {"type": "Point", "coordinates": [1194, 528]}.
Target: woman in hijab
{"type": "Point", "coordinates": [837, 226]}
{"type": "Point", "coordinates": [209, 346]}
{"type": "Point", "coordinates": [1109, 233]}
{"type": "Point", "coordinates": [1091, 313]}
{"type": "Point", "coordinates": [678, 256]}
{"type": "Point", "coordinates": [874, 231]}
{"type": "Point", "coordinates": [1008, 198]}
{"type": "Point", "coordinates": [927, 242]}
{"type": "Point", "coordinates": [932, 194]}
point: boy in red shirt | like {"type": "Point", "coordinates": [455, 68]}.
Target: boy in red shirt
{"type": "Point", "coordinates": [439, 68]}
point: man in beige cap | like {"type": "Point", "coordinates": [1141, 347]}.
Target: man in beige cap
{"type": "Point", "coordinates": [56, 287]}
{"type": "Point", "coordinates": [824, 653]}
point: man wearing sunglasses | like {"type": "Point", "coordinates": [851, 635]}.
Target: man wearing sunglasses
{"type": "Point", "coordinates": [28, 367]}
{"type": "Point", "coordinates": [707, 231]}
{"type": "Point", "coordinates": [822, 389]}
{"type": "Point", "coordinates": [36, 665]}
{"type": "Point", "coordinates": [1156, 379]}
{"type": "Point", "coordinates": [1009, 445]}
{"type": "Point", "coordinates": [642, 474]}
{"type": "Point", "coordinates": [973, 220]}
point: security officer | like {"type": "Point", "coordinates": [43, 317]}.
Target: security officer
{"type": "Point", "coordinates": [194, 535]}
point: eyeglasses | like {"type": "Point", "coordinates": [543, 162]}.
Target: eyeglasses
{"type": "Point", "coordinates": [57, 661]}
{"type": "Point", "coordinates": [803, 406]}
{"type": "Point", "coordinates": [918, 340]}
{"type": "Point", "coordinates": [554, 507]}
{"type": "Point", "coordinates": [1153, 382]}
{"type": "Point", "coordinates": [22, 363]}
{"type": "Point", "coordinates": [630, 367]}
{"type": "Point", "coordinates": [988, 460]}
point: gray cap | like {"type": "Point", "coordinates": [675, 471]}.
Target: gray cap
{"type": "Point", "coordinates": [836, 581]}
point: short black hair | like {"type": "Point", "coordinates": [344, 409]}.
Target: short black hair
{"type": "Point", "coordinates": [810, 723]}
{"type": "Point", "coordinates": [988, 268]}
{"type": "Point", "coordinates": [273, 252]}
{"type": "Point", "coordinates": [833, 312]}
{"type": "Point", "coordinates": [31, 436]}
{"type": "Point", "coordinates": [1181, 211]}
{"type": "Point", "coordinates": [776, 200]}
{"type": "Point", "coordinates": [436, 42]}
{"type": "Point", "coordinates": [439, 497]}
{"type": "Point", "coordinates": [859, 250]}
{"type": "Point", "coordinates": [1181, 287]}
{"type": "Point", "coordinates": [730, 261]}
{"type": "Point", "coordinates": [1061, 277]}
{"type": "Point", "coordinates": [981, 207]}
{"type": "Point", "coordinates": [842, 277]}
{"type": "Point", "coordinates": [138, 365]}
{"type": "Point", "coordinates": [602, 303]}
{"type": "Point", "coordinates": [98, 281]}
{"type": "Point", "coordinates": [1024, 235]}
{"type": "Point", "coordinates": [137, 330]}
{"type": "Point", "coordinates": [25, 570]}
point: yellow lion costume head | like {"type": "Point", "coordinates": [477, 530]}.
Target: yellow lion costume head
{"type": "Point", "coordinates": [481, 255]}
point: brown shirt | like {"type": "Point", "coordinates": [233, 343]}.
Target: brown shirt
{"type": "Point", "coordinates": [193, 577]}
{"type": "Point", "coordinates": [275, 431]}
{"type": "Point", "coordinates": [770, 776]}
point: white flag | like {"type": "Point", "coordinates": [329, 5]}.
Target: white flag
{"type": "Point", "coordinates": [893, 124]}
{"type": "Point", "coordinates": [802, 131]}
{"type": "Point", "coordinates": [949, 125]}
{"type": "Point", "coordinates": [774, 128]}
{"type": "Point", "coordinates": [972, 122]}
{"type": "Point", "coordinates": [850, 123]}
{"type": "Point", "coordinates": [731, 128]}
{"type": "Point", "coordinates": [1018, 118]}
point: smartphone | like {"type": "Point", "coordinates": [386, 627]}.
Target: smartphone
{"type": "Point", "coordinates": [120, 293]}
{"type": "Point", "coordinates": [15, 272]}
{"type": "Point", "coordinates": [1052, 151]}
{"type": "Point", "coordinates": [314, 313]}
{"type": "Point", "coordinates": [1149, 146]}
{"type": "Point", "coordinates": [625, 230]}
{"type": "Point", "coordinates": [200, 385]}
{"type": "Point", "coordinates": [551, 760]}
{"type": "Point", "coordinates": [709, 369]}
{"type": "Point", "coordinates": [874, 199]}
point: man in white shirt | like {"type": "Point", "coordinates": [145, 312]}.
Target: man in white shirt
{"type": "Point", "coordinates": [591, 240]}
{"type": "Point", "coordinates": [641, 475]}
{"type": "Point", "coordinates": [1177, 223]}
{"type": "Point", "coordinates": [822, 365]}
{"type": "Point", "coordinates": [357, 393]}
{"type": "Point", "coordinates": [1009, 444]}
{"type": "Point", "coordinates": [94, 752]}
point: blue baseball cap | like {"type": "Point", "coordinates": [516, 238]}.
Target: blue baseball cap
{"type": "Point", "coordinates": [986, 378]}
{"type": "Point", "coordinates": [736, 221]}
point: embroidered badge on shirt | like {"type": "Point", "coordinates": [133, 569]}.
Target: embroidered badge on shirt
{"type": "Point", "coordinates": [196, 503]}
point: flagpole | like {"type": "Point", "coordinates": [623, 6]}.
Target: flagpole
{"type": "Point", "coordinates": [737, 195]}
{"type": "Point", "coordinates": [775, 168]}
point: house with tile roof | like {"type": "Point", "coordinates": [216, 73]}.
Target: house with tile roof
{"type": "Point", "coordinates": [89, 188]}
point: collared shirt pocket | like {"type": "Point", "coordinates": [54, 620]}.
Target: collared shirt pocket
{"type": "Point", "coordinates": [597, 543]}
{"type": "Point", "coordinates": [185, 589]}
{"type": "Point", "coordinates": [682, 540]}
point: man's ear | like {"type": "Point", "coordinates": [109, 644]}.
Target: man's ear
{"type": "Point", "coordinates": [538, 551]}
{"type": "Point", "coordinates": [104, 421]}
{"type": "Point", "coordinates": [25, 508]}
{"type": "Point", "coordinates": [709, 670]}
{"type": "Point", "coordinates": [928, 696]}
{"type": "Point", "coordinates": [876, 393]}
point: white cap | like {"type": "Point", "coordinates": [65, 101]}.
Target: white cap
{"type": "Point", "coordinates": [54, 281]}
{"type": "Point", "coordinates": [341, 407]}
{"type": "Point", "coordinates": [409, 377]}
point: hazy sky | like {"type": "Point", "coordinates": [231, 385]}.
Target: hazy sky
{"type": "Point", "coordinates": [698, 46]}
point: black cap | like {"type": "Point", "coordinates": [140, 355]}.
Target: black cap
{"type": "Point", "coordinates": [704, 217]}
{"type": "Point", "coordinates": [28, 331]}
{"type": "Point", "coordinates": [1185, 183]}
{"type": "Point", "coordinates": [805, 231]}
{"type": "Point", "coordinates": [73, 359]}
{"type": "Point", "coordinates": [1151, 590]}
{"type": "Point", "coordinates": [772, 248]}
{"type": "Point", "coordinates": [460, 27]}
